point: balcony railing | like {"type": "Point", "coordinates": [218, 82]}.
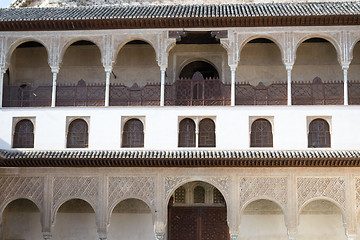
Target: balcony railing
{"type": "Point", "coordinates": [184, 92]}
{"type": "Point", "coordinates": [27, 96]}
{"type": "Point", "coordinates": [121, 95]}
{"type": "Point", "coordinates": [317, 92]}
{"type": "Point", "coordinates": [274, 94]}
{"type": "Point", "coordinates": [197, 92]}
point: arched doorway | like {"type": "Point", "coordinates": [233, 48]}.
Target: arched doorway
{"type": "Point", "coordinates": [199, 84]}
{"type": "Point", "coordinates": [75, 219]}
{"type": "Point", "coordinates": [21, 220]}
{"type": "Point", "coordinates": [131, 219]}
{"type": "Point", "coordinates": [321, 219]}
{"type": "Point", "coordinates": [262, 219]}
{"type": "Point", "coordinates": [197, 210]}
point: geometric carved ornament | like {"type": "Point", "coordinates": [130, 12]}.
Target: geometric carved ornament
{"type": "Point", "coordinates": [22, 187]}
{"type": "Point", "coordinates": [263, 187]}
{"type": "Point", "coordinates": [329, 187]}
{"type": "Point", "coordinates": [128, 187]}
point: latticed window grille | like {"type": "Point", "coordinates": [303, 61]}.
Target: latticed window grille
{"type": "Point", "coordinates": [24, 134]}
{"type": "Point", "coordinates": [133, 134]}
{"type": "Point", "coordinates": [218, 197]}
{"type": "Point", "coordinates": [261, 134]}
{"type": "Point", "coordinates": [207, 133]}
{"type": "Point", "coordinates": [180, 195]}
{"type": "Point", "coordinates": [319, 134]}
{"type": "Point", "coordinates": [77, 134]}
{"type": "Point", "coordinates": [199, 195]}
{"type": "Point", "coordinates": [187, 133]}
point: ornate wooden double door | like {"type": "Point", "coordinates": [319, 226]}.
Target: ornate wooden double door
{"type": "Point", "coordinates": [198, 223]}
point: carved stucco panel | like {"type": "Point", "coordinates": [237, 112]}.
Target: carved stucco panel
{"type": "Point", "coordinates": [263, 187]}
{"type": "Point", "coordinates": [22, 187]}
{"type": "Point", "coordinates": [66, 188]}
{"type": "Point", "coordinates": [317, 187]}
{"type": "Point", "coordinates": [357, 189]}
{"type": "Point", "coordinates": [127, 187]}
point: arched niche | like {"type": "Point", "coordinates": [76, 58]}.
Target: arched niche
{"type": "Point", "coordinates": [136, 64]}
{"type": "Point", "coordinates": [262, 219]}
{"type": "Point", "coordinates": [320, 219]}
{"type": "Point", "coordinates": [207, 69]}
{"type": "Point", "coordinates": [197, 209]}
{"type": "Point", "coordinates": [75, 219]}
{"type": "Point", "coordinates": [260, 61]}
{"type": "Point", "coordinates": [21, 220]}
{"type": "Point", "coordinates": [131, 219]}
{"type": "Point", "coordinates": [316, 57]}
{"type": "Point", "coordinates": [81, 61]}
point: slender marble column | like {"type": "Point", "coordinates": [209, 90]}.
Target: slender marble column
{"type": "Point", "coordinates": [288, 70]}
{"type": "Point", "coordinates": [345, 68]}
{"type": "Point", "coordinates": [233, 70]}
{"type": "Point", "coordinates": [55, 71]}
{"type": "Point", "coordinates": [2, 73]}
{"type": "Point", "coordinates": [108, 70]}
{"type": "Point", "coordinates": [162, 88]}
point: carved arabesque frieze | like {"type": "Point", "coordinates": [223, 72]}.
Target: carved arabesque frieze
{"type": "Point", "coordinates": [65, 188]}
{"type": "Point", "coordinates": [12, 188]}
{"type": "Point", "coordinates": [172, 182]}
{"type": "Point", "coordinates": [121, 188]}
{"type": "Point", "coordinates": [263, 187]}
{"type": "Point", "coordinates": [320, 187]}
{"type": "Point", "coordinates": [357, 190]}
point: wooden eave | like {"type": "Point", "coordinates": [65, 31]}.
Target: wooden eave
{"type": "Point", "coordinates": [190, 162]}
{"type": "Point", "coordinates": [199, 22]}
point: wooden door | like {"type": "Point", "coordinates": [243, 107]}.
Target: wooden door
{"type": "Point", "coordinates": [198, 223]}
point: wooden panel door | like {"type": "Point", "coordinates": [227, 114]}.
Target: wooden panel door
{"type": "Point", "coordinates": [198, 223]}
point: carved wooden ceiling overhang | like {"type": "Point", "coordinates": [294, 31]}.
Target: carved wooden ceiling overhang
{"type": "Point", "coordinates": [181, 16]}
{"type": "Point", "coordinates": [180, 158]}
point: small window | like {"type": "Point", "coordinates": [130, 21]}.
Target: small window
{"type": "Point", "coordinates": [199, 195]}
{"type": "Point", "coordinates": [207, 133]}
{"type": "Point", "coordinates": [261, 134]}
{"type": "Point", "coordinates": [77, 134]}
{"type": "Point", "coordinates": [24, 134]}
{"type": "Point", "coordinates": [218, 197]}
{"type": "Point", "coordinates": [180, 195]}
{"type": "Point", "coordinates": [133, 134]}
{"type": "Point", "coordinates": [187, 133]}
{"type": "Point", "coordinates": [319, 134]}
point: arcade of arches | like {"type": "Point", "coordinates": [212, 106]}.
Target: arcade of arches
{"type": "Point", "coordinates": [133, 77]}
{"type": "Point", "coordinates": [251, 204]}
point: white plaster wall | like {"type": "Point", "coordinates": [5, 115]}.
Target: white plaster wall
{"type": "Point", "coordinates": [22, 226]}
{"type": "Point", "coordinates": [161, 125]}
{"type": "Point", "coordinates": [74, 226]}
{"type": "Point", "coordinates": [316, 59]}
{"type": "Point", "coordinates": [131, 226]}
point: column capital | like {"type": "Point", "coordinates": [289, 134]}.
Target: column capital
{"type": "Point", "coordinates": [289, 66]}
{"type": "Point", "coordinates": [47, 235]}
{"type": "Point", "coordinates": [55, 69]}
{"type": "Point", "coordinates": [159, 236]}
{"type": "Point", "coordinates": [345, 65]}
{"type": "Point", "coordinates": [163, 67]}
{"type": "Point", "coordinates": [234, 236]}
{"type": "Point", "coordinates": [108, 68]}
{"type": "Point", "coordinates": [233, 67]}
